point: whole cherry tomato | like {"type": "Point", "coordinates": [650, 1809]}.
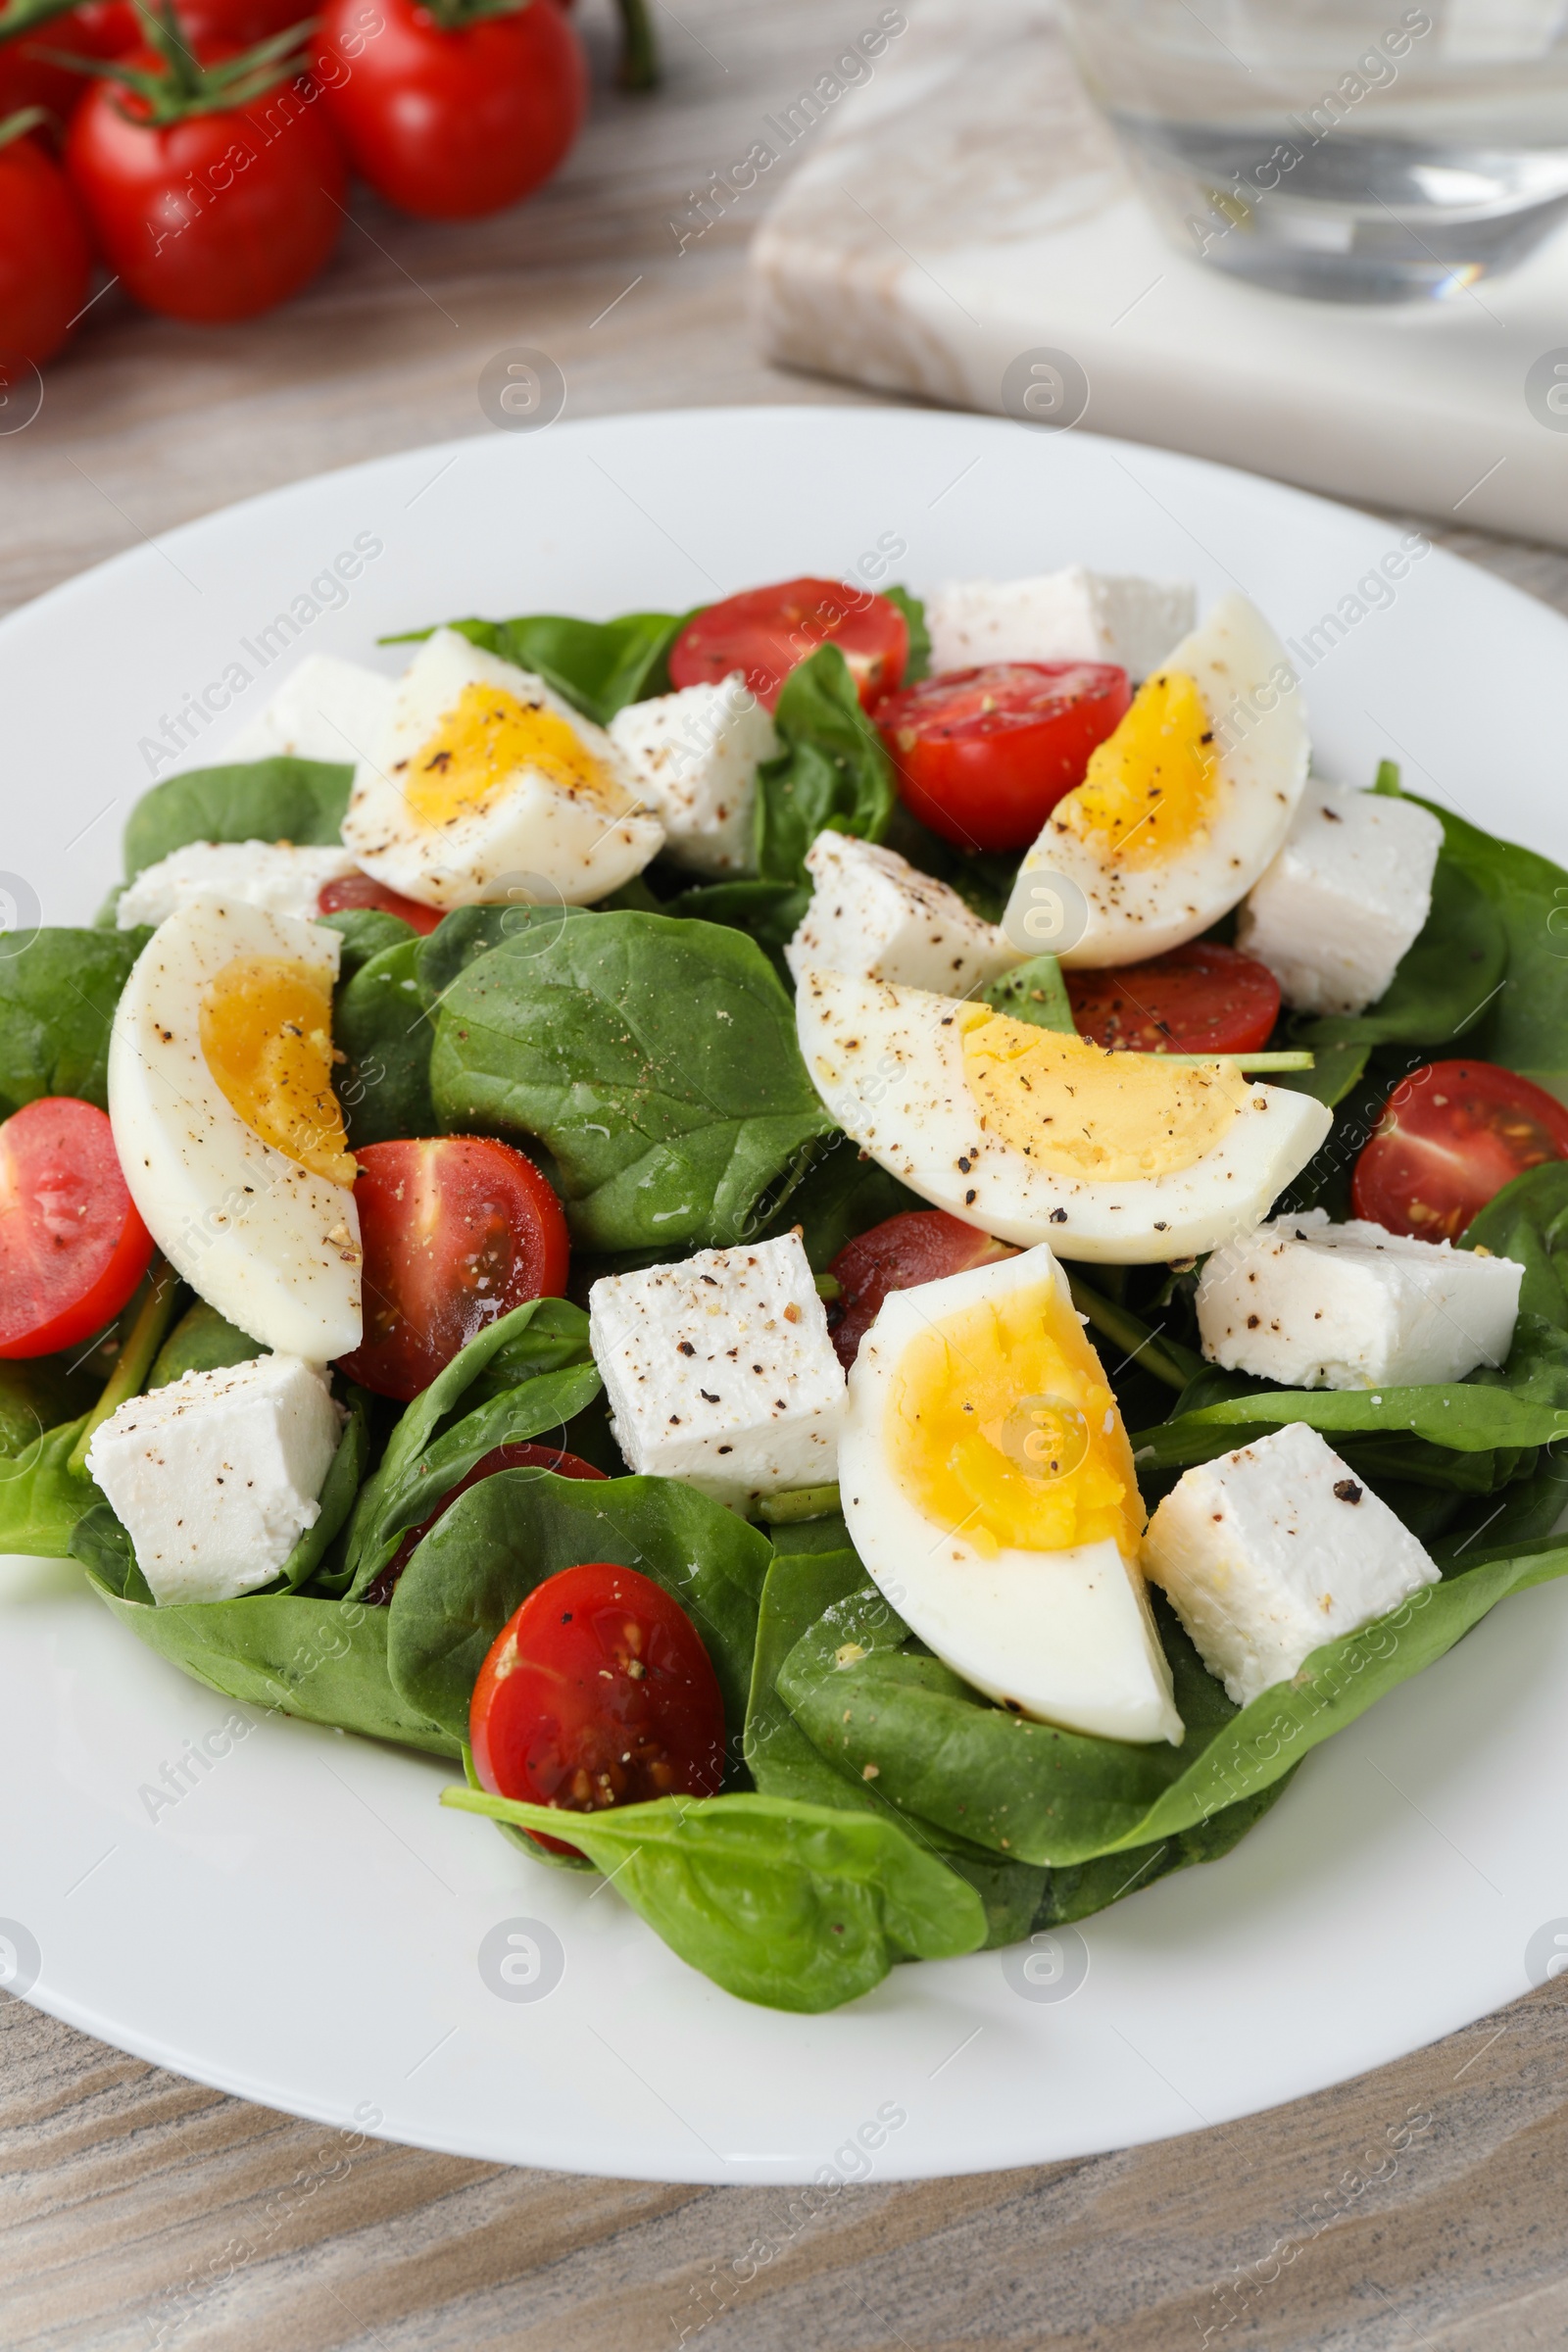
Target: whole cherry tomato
{"type": "Point", "coordinates": [454, 109]}
{"type": "Point", "coordinates": [45, 258]}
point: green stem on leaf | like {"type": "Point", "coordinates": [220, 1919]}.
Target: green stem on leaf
{"type": "Point", "coordinates": [135, 1360]}
{"type": "Point", "coordinates": [1173, 1365]}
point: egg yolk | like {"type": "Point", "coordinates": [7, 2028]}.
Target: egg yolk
{"type": "Point", "coordinates": [1001, 1427]}
{"type": "Point", "coordinates": [482, 743]}
{"type": "Point", "coordinates": [266, 1035]}
{"type": "Point", "coordinates": [1152, 788]}
{"type": "Point", "coordinates": [1077, 1109]}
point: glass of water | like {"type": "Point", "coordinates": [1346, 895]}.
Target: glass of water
{"type": "Point", "coordinates": [1354, 150]}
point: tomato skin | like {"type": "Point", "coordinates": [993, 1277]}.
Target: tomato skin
{"type": "Point", "coordinates": [558, 1717]}
{"type": "Point", "coordinates": [216, 218]}
{"type": "Point", "coordinates": [515, 1456]}
{"type": "Point", "coordinates": [1199, 999]}
{"type": "Point", "coordinates": [923, 1245]}
{"type": "Point", "coordinates": [983, 755]}
{"type": "Point", "coordinates": [766, 632]}
{"type": "Point", "coordinates": [71, 1246]}
{"type": "Point", "coordinates": [452, 125]}
{"type": "Point", "coordinates": [363, 890]}
{"type": "Point", "coordinates": [45, 256]}
{"type": "Point", "coordinates": [1449, 1137]}
{"type": "Point", "coordinates": [104, 29]}
{"type": "Point", "coordinates": [458, 1230]}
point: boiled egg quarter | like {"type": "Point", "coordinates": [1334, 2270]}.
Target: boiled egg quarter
{"type": "Point", "coordinates": [228, 1128]}
{"type": "Point", "coordinates": [988, 1486]}
{"type": "Point", "coordinates": [1181, 810]}
{"type": "Point", "coordinates": [486, 786]}
{"type": "Point", "coordinates": [1033, 1135]}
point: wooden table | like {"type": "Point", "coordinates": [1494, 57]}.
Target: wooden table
{"type": "Point", "coordinates": [138, 2210]}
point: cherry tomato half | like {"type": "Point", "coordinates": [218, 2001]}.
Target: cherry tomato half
{"type": "Point", "coordinates": [1449, 1136]}
{"type": "Point", "coordinates": [45, 258]}
{"type": "Point", "coordinates": [458, 1230]}
{"type": "Point", "coordinates": [984, 755]}
{"type": "Point", "coordinates": [922, 1246]}
{"type": "Point", "coordinates": [218, 215]}
{"type": "Point", "coordinates": [450, 121]}
{"type": "Point", "coordinates": [770, 632]}
{"type": "Point", "coordinates": [517, 1456]}
{"type": "Point", "coordinates": [1200, 999]}
{"type": "Point", "coordinates": [71, 1246]}
{"type": "Point", "coordinates": [363, 890]}
{"type": "Point", "coordinates": [597, 1693]}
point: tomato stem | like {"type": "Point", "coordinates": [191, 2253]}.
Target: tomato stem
{"type": "Point", "coordinates": [639, 67]}
{"type": "Point", "coordinates": [181, 86]}
{"type": "Point", "coordinates": [1171, 1363]}
{"type": "Point", "coordinates": [135, 1359]}
{"type": "Point", "coordinates": [26, 119]}
{"type": "Point", "coordinates": [24, 16]}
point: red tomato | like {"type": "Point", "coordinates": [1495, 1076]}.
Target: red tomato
{"type": "Point", "coordinates": [105, 29]}
{"type": "Point", "coordinates": [216, 216]}
{"type": "Point", "coordinates": [500, 1457]}
{"type": "Point", "coordinates": [984, 755]}
{"type": "Point", "coordinates": [458, 1230]}
{"type": "Point", "coordinates": [768, 631]}
{"type": "Point", "coordinates": [360, 890]}
{"type": "Point", "coordinates": [1200, 999]}
{"type": "Point", "coordinates": [71, 1246]}
{"type": "Point", "coordinates": [921, 1246]}
{"type": "Point", "coordinates": [1449, 1136]}
{"type": "Point", "coordinates": [597, 1693]}
{"type": "Point", "coordinates": [450, 121]}
{"type": "Point", "coordinates": [45, 259]}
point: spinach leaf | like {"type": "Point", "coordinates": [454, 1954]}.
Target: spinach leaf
{"type": "Point", "coordinates": [918, 664]}
{"type": "Point", "coordinates": [380, 1023]}
{"type": "Point", "coordinates": [469, 932]}
{"type": "Point", "coordinates": [1526, 1028]}
{"type": "Point", "coordinates": [505, 1536]}
{"type": "Point", "coordinates": [37, 1394]}
{"type": "Point", "coordinates": [599, 666]}
{"type": "Point", "coordinates": [302, 800]}
{"type": "Point", "coordinates": [982, 878]}
{"type": "Point", "coordinates": [103, 1543]}
{"type": "Point", "coordinates": [831, 769]}
{"type": "Point", "coordinates": [323, 1660]}
{"type": "Point", "coordinates": [1527, 1221]}
{"type": "Point", "coordinates": [654, 1060]}
{"type": "Point", "coordinates": [1084, 1887]}
{"type": "Point", "coordinates": [202, 1341]}
{"type": "Point", "coordinates": [340, 1486]}
{"type": "Point", "coordinates": [364, 931]}
{"type": "Point", "coordinates": [842, 1194]}
{"type": "Point", "coordinates": [1335, 1070]}
{"type": "Point", "coordinates": [770, 912]}
{"type": "Point", "coordinates": [1444, 982]}
{"type": "Point", "coordinates": [797, 1906]}
{"type": "Point", "coordinates": [1033, 992]}
{"type": "Point", "coordinates": [40, 1499]}
{"type": "Point", "coordinates": [1062, 1799]}
{"type": "Point", "coordinates": [57, 1001]}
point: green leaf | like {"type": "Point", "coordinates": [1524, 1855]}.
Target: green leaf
{"type": "Point", "coordinates": [364, 931]}
{"type": "Point", "coordinates": [324, 1660]}
{"type": "Point", "coordinates": [40, 1499]}
{"type": "Point", "coordinates": [505, 1536]}
{"type": "Point", "coordinates": [599, 666]}
{"type": "Point", "coordinates": [37, 1394]}
{"type": "Point", "coordinates": [770, 911]}
{"type": "Point", "coordinates": [1444, 983]}
{"type": "Point", "coordinates": [470, 932]}
{"type": "Point", "coordinates": [58, 995]}
{"type": "Point", "coordinates": [1033, 992]}
{"type": "Point", "coordinates": [301, 801]}
{"type": "Point", "coordinates": [1526, 1027]}
{"type": "Point", "coordinates": [1527, 1221]}
{"type": "Point", "coordinates": [1336, 1069]}
{"type": "Point", "coordinates": [655, 1062]}
{"type": "Point", "coordinates": [381, 1024]}
{"type": "Point", "coordinates": [340, 1486]}
{"type": "Point", "coordinates": [918, 664]}
{"type": "Point", "coordinates": [831, 770]}
{"type": "Point", "coordinates": [202, 1342]}
{"type": "Point", "coordinates": [796, 1906]}
{"type": "Point", "coordinates": [842, 1194]}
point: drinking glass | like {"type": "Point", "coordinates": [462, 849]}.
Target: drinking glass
{"type": "Point", "coordinates": [1354, 150]}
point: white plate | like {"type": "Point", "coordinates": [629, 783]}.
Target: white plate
{"type": "Point", "coordinates": [303, 1925]}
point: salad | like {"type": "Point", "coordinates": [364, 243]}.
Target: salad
{"type": "Point", "coordinates": [871, 1256]}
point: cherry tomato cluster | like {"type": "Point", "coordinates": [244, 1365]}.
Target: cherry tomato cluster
{"type": "Point", "coordinates": [201, 153]}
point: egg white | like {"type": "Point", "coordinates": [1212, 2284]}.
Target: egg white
{"type": "Point", "coordinates": [888, 1062]}
{"type": "Point", "coordinates": [1066, 1637]}
{"type": "Point", "coordinates": [1072, 899]}
{"type": "Point", "coordinates": [537, 842]}
{"type": "Point", "coordinates": [270, 1244]}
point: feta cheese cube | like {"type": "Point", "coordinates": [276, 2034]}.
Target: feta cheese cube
{"type": "Point", "coordinates": [721, 1370]}
{"type": "Point", "coordinates": [217, 1476]}
{"type": "Point", "coordinates": [1315, 1305]}
{"type": "Point", "coordinates": [325, 710]}
{"type": "Point", "coordinates": [874, 915]}
{"type": "Point", "coordinates": [276, 875]}
{"type": "Point", "coordinates": [1271, 1551]}
{"type": "Point", "coordinates": [693, 756]}
{"type": "Point", "coordinates": [1072, 616]}
{"type": "Point", "coordinates": [1345, 897]}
